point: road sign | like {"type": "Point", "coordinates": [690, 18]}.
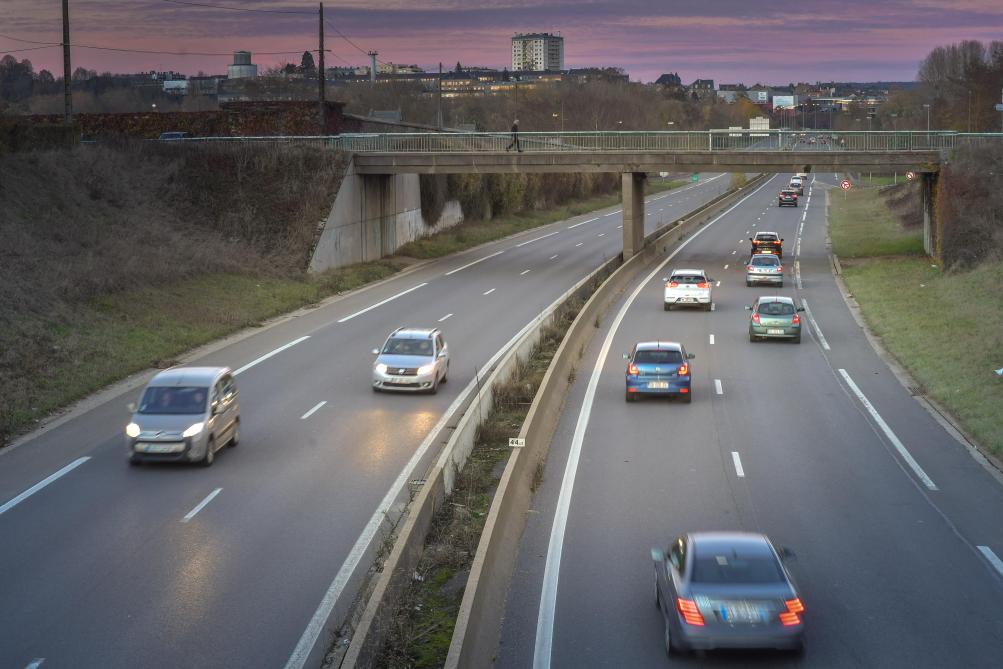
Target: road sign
{"type": "Point", "coordinates": [515, 442]}
{"type": "Point", "coordinates": [694, 177]}
{"type": "Point", "coordinates": [663, 174]}
{"type": "Point", "coordinates": [845, 184]}
{"type": "Point", "coordinates": [910, 175]}
{"type": "Point", "coordinates": [998, 107]}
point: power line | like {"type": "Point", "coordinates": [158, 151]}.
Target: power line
{"type": "Point", "coordinates": [30, 48]}
{"type": "Point", "coordinates": [347, 39]}
{"type": "Point", "coordinates": [238, 9]}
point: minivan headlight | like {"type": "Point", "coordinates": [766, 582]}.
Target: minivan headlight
{"type": "Point", "coordinates": [426, 369]}
{"type": "Point", "coordinates": [381, 368]}
{"type": "Point", "coordinates": [193, 430]}
{"type": "Point", "coordinates": [132, 430]}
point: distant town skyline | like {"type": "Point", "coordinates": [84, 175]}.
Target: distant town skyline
{"type": "Point", "coordinates": [725, 40]}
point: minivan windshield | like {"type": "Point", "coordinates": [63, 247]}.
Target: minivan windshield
{"type": "Point", "coordinates": [174, 400]}
{"type": "Point", "coordinates": [407, 346]}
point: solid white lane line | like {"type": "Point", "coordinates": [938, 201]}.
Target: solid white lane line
{"type": "Point", "coordinates": [471, 264]}
{"type": "Point", "coordinates": [201, 505]}
{"type": "Point", "coordinates": [712, 340]}
{"type": "Point", "coordinates": [613, 213]}
{"type": "Point", "coordinates": [814, 324]}
{"type": "Point", "coordinates": [313, 410]}
{"type": "Point", "coordinates": [41, 484]}
{"type": "Point", "coordinates": [992, 557]}
{"type": "Point", "coordinates": [582, 223]}
{"type": "Point", "coordinates": [552, 257]}
{"type": "Point", "coordinates": [36, 663]}
{"type": "Point", "coordinates": [579, 244]}
{"type": "Point", "coordinates": [270, 354]}
{"type": "Point", "coordinates": [797, 274]}
{"type": "Point", "coordinates": [525, 272]}
{"type": "Point", "coordinates": [717, 387]}
{"type": "Point", "coordinates": [552, 570]}
{"type": "Point", "coordinates": [551, 234]}
{"type": "Point", "coordinates": [445, 317]}
{"type": "Point", "coordinates": [738, 464]}
{"type": "Point", "coordinates": [920, 474]}
{"type": "Point", "coordinates": [382, 302]}
{"type": "Point", "coordinates": [488, 292]}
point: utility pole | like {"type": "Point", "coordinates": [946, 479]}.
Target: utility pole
{"type": "Point", "coordinates": [67, 94]}
{"type": "Point", "coordinates": [439, 97]}
{"type": "Point", "coordinates": [321, 74]}
{"type": "Point", "coordinates": [372, 66]}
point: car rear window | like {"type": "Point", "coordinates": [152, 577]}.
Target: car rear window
{"type": "Point", "coordinates": [180, 400]}
{"type": "Point", "coordinates": [776, 308]}
{"type": "Point", "coordinates": [731, 568]}
{"type": "Point", "coordinates": [766, 238]}
{"type": "Point", "coordinates": [688, 278]}
{"type": "Point", "coordinates": [657, 357]}
{"type": "Point", "coordinates": [765, 261]}
{"type": "Point", "coordinates": [407, 346]}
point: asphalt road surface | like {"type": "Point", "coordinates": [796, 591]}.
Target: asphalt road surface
{"type": "Point", "coordinates": [106, 565]}
{"type": "Point", "coordinates": [896, 528]}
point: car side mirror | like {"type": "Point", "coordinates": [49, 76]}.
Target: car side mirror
{"type": "Point", "coordinates": [800, 308]}
{"type": "Point", "coordinates": [750, 239]}
{"type": "Point", "coordinates": [690, 356]}
{"type": "Point", "coordinates": [442, 353]}
{"type": "Point", "coordinates": [131, 406]}
{"type": "Point", "coordinates": [748, 307]}
{"type": "Point", "coordinates": [376, 351]}
{"type": "Point", "coordinates": [626, 356]}
{"type": "Point", "coordinates": [781, 239]}
{"type": "Point", "coordinates": [786, 554]}
{"type": "Point", "coordinates": [658, 555]}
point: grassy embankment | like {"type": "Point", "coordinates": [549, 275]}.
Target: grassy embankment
{"type": "Point", "coordinates": [945, 328]}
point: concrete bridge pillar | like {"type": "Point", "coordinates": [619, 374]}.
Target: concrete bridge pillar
{"type": "Point", "coordinates": [931, 229]}
{"type": "Point", "coordinates": [633, 213]}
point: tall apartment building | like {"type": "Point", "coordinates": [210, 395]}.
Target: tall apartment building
{"type": "Point", "coordinates": [537, 52]}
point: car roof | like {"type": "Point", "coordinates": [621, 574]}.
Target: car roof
{"type": "Point", "coordinates": [659, 346]}
{"type": "Point", "coordinates": [746, 543]}
{"type": "Point", "coordinates": [688, 271]}
{"type": "Point", "coordinates": [188, 376]}
{"type": "Point", "coordinates": [775, 298]}
{"type": "Point", "coordinates": [414, 333]}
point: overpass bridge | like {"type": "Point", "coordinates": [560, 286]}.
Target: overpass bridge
{"type": "Point", "coordinates": [379, 156]}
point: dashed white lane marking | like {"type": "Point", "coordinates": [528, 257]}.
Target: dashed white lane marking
{"type": "Point", "coordinates": [814, 324]}
{"type": "Point", "coordinates": [313, 410]}
{"type": "Point", "coordinates": [471, 264]}
{"type": "Point", "coordinates": [488, 292]}
{"type": "Point", "coordinates": [36, 663]}
{"type": "Point", "coordinates": [753, 225]}
{"type": "Point", "coordinates": [734, 252]}
{"type": "Point", "coordinates": [579, 244]}
{"type": "Point", "coordinates": [570, 227]}
{"type": "Point", "coordinates": [271, 353]}
{"type": "Point", "coordinates": [382, 302]}
{"type": "Point", "coordinates": [525, 272]}
{"type": "Point", "coordinates": [552, 257]}
{"type": "Point", "coordinates": [445, 317]}
{"type": "Point", "coordinates": [619, 227]}
{"type": "Point", "coordinates": [550, 234]}
{"type": "Point", "coordinates": [713, 306]}
{"type": "Point", "coordinates": [899, 446]}
{"type": "Point", "coordinates": [613, 213]}
{"type": "Point", "coordinates": [738, 465]}
{"type": "Point", "coordinates": [719, 283]}
{"type": "Point", "coordinates": [601, 234]}
{"type": "Point", "coordinates": [201, 505]}
{"type": "Point", "coordinates": [41, 484]}
{"type": "Point", "coordinates": [712, 340]}
{"type": "Point", "coordinates": [797, 274]}
{"type": "Point", "coordinates": [717, 387]}
{"type": "Point", "coordinates": [661, 210]}
{"type": "Point", "coordinates": [992, 557]}
{"type": "Point", "coordinates": [543, 644]}
{"type": "Point", "coordinates": [726, 266]}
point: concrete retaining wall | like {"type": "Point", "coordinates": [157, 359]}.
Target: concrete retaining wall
{"type": "Point", "coordinates": [478, 625]}
{"type": "Point", "coordinates": [372, 217]}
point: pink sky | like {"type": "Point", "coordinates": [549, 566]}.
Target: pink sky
{"type": "Point", "coordinates": [726, 40]}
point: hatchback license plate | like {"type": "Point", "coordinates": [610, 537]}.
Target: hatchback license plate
{"type": "Point", "coordinates": [774, 331]}
{"type": "Point", "coordinates": [659, 385]}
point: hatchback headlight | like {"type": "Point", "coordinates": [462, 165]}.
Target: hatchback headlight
{"type": "Point", "coordinates": [381, 368]}
{"type": "Point", "coordinates": [193, 430]}
{"type": "Point", "coordinates": [426, 369]}
{"type": "Point", "coordinates": [132, 430]}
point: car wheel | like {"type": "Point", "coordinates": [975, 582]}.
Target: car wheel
{"type": "Point", "coordinates": [687, 398]}
{"type": "Point", "coordinates": [748, 284]}
{"type": "Point", "coordinates": [670, 647]}
{"type": "Point", "coordinates": [658, 595]}
{"type": "Point", "coordinates": [781, 284]}
{"type": "Point", "coordinates": [753, 338]}
{"type": "Point", "coordinates": [797, 340]}
{"type": "Point", "coordinates": [135, 460]}
{"type": "Point", "coordinates": [435, 387]}
{"type": "Point", "coordinates": [445, 376]}
{"type": "Point", "coordinates": [628, 396]}
{"type": "Point", "coordinates": [668, 307]}
{"type": "Point", "coordinates": [235, 439]}
{"type": "Point", "coordinates": [210, 455]}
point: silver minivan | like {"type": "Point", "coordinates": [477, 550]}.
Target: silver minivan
{"type": "Point", "coordinates": [185, 414]}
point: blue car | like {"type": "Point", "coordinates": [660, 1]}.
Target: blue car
{"type": "Point", "coordinates": [658, 368]}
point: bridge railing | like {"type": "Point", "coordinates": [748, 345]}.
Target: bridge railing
{"type": "Point", "coordinates": [671, 141]}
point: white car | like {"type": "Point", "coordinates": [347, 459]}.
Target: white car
{"type": "Point", "coordinates": [688, 288]}
{"type": "Point", "coordinates": [412, 359]}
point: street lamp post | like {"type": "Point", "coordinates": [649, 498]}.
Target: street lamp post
{"type": "Point", "coordinates": [927, 107]}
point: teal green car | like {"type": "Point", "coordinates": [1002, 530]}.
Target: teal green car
{"type": "Point", "coordinates": [775, 317]}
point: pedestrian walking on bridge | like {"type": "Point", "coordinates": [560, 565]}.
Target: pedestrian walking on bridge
{"type": "Point", "coordinates": [515, 137]}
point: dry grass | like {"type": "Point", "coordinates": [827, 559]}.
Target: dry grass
{"type": "Point", "coordinates": [860, 224]}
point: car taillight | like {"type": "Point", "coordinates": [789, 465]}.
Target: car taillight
{"type": "Point", "coordinates": [683, 370]}
{"type": "Point", "coordinates": [755, 318]}
{"type": "Point", "coordinates": [672, 284]}
{"type": "Point", "coordinates": [749, 267]}
{"type": "Point", "coordinates": [702, 284]}
{"type": "Point", "coordinates": [780, 268]}
{"type": "Point", "coordinates": [796, 320]}
{"type": "Point", "coordinates": [790, 616]}
{"type": "Point", "coordinates": [632, 369]}
{"type": "Point", "coordinates": [691, 614]}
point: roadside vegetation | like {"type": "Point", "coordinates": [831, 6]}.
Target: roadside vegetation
{"type": "Point", "coordinates": [945, 326]}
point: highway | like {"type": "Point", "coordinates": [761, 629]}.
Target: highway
{"type": "Point", "coordinates": [107, 565]}
{"type": "Point", "coordinates": [895, 526]}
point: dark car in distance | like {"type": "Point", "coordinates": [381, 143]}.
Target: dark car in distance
{"type": "Point", "coordinates": [787, 198]}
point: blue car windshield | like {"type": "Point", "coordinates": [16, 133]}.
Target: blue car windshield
{"type": "Point", "coordinates": [180, 400]}
{"type": "Point", "coordinates": [657, 357]}
{"type": "Point", "coordinates": [728, 568]}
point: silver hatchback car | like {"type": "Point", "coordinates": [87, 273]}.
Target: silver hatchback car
{"type": "Point", "coordinates": [185, 414]}
{"type": "Point", "coordinates": [412, 359]}
{"type": "Point", "coordinates": [765, 268]}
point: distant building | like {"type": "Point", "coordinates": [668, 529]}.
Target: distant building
{"type": "Point", "coordinates": [538, 52]}
{"type": "Point", "coordinates": [394, 68]}
{"type": "Point", "coordinates": [176, 87]}
{"type": "Point", "coordinates": [242, 68]}
{"type": "Point", "coordinates": [670, 79]}
{"type": "Point", "coordinates": [204, 86]}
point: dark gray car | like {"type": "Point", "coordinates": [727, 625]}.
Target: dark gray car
{"type": "Point", "coordinates": [726, 590]}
